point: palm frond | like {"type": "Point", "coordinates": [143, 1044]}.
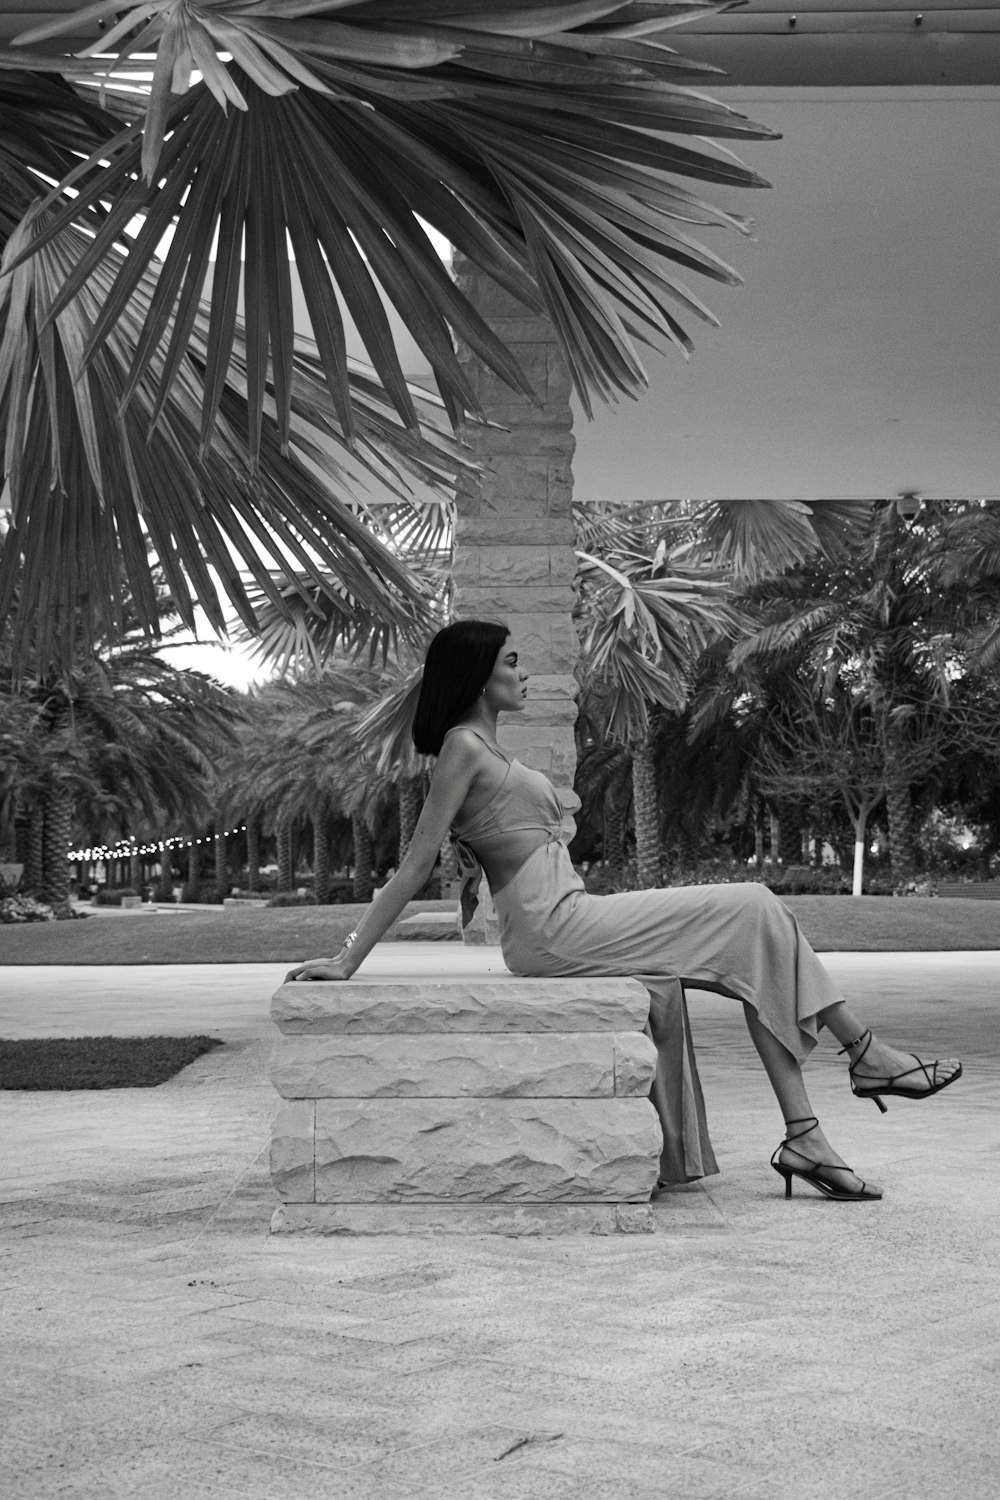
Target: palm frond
{"type": "Point", "coordinates": [315, 620]}
{"type": "Point", "coordinates": [93, 477]}
{"type": "Point", "coordinates": [537, 139]}
{"type": "Point", "coordinates": [758, 537]}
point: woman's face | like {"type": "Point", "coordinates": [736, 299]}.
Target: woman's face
{"type": "Point", "coordinates": [507, 688]}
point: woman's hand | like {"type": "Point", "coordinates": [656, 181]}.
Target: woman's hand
{"type": "Point", "coordinates": [321, 968]}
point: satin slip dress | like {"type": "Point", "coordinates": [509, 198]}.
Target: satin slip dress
{"type": "Point", "coordinates": [735, 940]}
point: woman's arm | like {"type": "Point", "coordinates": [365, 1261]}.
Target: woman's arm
{"type": "Point", "coordinates": [450, 782]}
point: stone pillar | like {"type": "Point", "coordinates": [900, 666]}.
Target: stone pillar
{"type": "Point", "coordinates": [514, 535]}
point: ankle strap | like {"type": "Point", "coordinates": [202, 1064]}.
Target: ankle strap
{"type": "Point", "coordinates": [856, 1043]}
{"type": "Point", "coordinates": [809, 1121]}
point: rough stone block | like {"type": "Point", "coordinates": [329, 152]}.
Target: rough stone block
{"type": "Point", "coordinates": [473, 1150]}
{"type": "Point", "coordinates": [509, 474]}
{"type": "Point", "coordinates": [515, 566]}
{"type": "Point", "coordinates": [516, 502]}
{"type": "Point", "coordinates": [293, 1151]}
{"type": "Point", "coordinates": [554, 685]}
{"type": "Point", "coordinates": [465, 566]}
{"type": "Point", "coordinates": [492, 528]}
{"type": "Point", "coordinates": [370, 1007]}
{"type": "Point", "coordinates": [572, 1065]}
{"type": "Point", "coordinates": [514, 1219]}
{"type": "Point", "coordinates": [553, 434]}
{"type": "Point", "coordinates": [546, 712]}
{"type": "Point", "coordinates": [548, 642]}
{"type": "Point", "coordinates": [635, 1064]}
{"type": "Point", "coordinates": [520, 737]}
{"type": "Point", "coordinates": [502, 601]}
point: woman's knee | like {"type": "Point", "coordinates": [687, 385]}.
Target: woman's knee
{"type": "Point", "coordinates": [761, 898]}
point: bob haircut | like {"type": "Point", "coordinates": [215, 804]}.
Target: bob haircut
{"type": "Point", "coordinates": [459, 663]}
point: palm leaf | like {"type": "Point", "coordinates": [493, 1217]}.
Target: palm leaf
{"type": "Point", "coordinates": [466, 116]}
{"type": "Point", "coordinates": [645, 624]}
{"type": "Point", "coordinates": [103, 481]}
{"type": "Point", "coordinates": [304, 623]}
{"type": "Point", "coordinates": [383, 732]}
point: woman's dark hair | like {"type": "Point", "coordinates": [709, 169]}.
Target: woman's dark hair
{"type": "Point", "coordinates": [459, 663]}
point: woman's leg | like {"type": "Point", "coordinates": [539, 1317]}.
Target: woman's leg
{"type": "Point", "coordinates": [785, 1075]}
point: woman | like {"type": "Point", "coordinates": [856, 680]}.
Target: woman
{"type": "Point", "coordinates": [738, 940]}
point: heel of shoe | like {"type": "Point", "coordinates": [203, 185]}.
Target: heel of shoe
{"type": "Point", "coordinates": [787, 1173]}
{"type": "Point", "coordinates": [867, 1094]}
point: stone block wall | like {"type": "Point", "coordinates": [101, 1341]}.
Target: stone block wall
{"type": "Point", "coordinates": [508, 1105]}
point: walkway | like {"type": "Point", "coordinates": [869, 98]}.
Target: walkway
{"type": "Point", "coordinates": [158, 1344]}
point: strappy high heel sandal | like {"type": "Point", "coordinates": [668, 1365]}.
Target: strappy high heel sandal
{"type": "Point", "coordinates": [811, 1172]}
{"type": "Point", "coordinates": [885, 1084]}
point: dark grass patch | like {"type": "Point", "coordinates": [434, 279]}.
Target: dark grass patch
{"type": "Point", "coordinates": [97, 1062]}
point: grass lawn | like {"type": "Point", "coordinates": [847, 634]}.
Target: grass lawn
{"type": "Point", "coordinates": [869, 924]}
{"type": "Point", "coordinates": [97, 1062]}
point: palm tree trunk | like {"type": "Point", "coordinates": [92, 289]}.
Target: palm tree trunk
{"type": "Point", "coordinates": [135, 870]}
{"type": "Point", "coordinates": [34, 864]}
{"type": "Point", "coordinates": [364, 882]}
{"type": "Point", "coordinates": [409, 793]}
{"type": "Point", "coordinates": [221, 863]}
{"type": "Point", "coordinates": [286, 874]}
{"type": "Point", "coordinates": [647, 813]}
{"type": "Point", "coordinates": [321, 859]}
{"type": "Point", "coordinates": [902, 843]}
{"type": "Point", "coordinates": [253, 857]}
{"type": "Point", "coordinates": [789, 832]}
{"type": "Point", "coordinates": [194, 866]}
{"type": "Point", "coordinates": [758, 836]}
{"type": "Point", "coordinates": [58, 826]}
{"type": "Point", "coordinates": [899, 805]}
{"type": "Point", "coordinates": [613, 842]}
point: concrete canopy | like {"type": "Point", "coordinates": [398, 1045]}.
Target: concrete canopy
{"type": "Point", "coordinates": [861, 357]}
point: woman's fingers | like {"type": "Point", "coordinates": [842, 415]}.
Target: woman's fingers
{"type": "Point", "coordinates": [318, 969]}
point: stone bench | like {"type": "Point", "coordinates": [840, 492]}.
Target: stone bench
{"type": "Point", "coordinates": [494, 1105]}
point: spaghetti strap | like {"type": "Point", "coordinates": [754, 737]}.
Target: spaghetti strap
{"type": "Point", "coordinates": [495, 748]}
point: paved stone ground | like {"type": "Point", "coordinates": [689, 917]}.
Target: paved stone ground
{"type": "Point", "coordinates": [157, 1343]}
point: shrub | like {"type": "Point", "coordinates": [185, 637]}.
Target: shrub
{"type": "Point", "coordinates": [292, 898]}
{"type": "Point", "coordinates": [111, 895]}
{"type": "Point", "coordinates": [804, 880]}
{"type": "Point", "coordinates": [24, 909]}
{"type": "Point", "coordinates": [923, 886]}
{"type": "Point", "coordinates": [341, 891]}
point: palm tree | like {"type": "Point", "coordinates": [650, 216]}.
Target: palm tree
{"type": "Point", "coordinates": [896, 623]}
{"type": "Point", "coordinates": [117, 739]}
{"type": "Point", "coordinates": [540, 140]}
{"type": "Point", "coordinates": [603, 778]}
{"type": "Point", "coordinates": [298, 763]}
{"type": "Point", "coordinates": [646, 615]}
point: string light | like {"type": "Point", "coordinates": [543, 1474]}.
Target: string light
{"type": "Point", "coordinates": [126, 847]}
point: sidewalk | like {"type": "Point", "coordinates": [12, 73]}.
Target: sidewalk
{"type": "Point", "coordinates": [157, 1343]}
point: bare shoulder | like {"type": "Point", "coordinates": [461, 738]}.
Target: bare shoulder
{"type": "Point", "coordinates": [462, 750]}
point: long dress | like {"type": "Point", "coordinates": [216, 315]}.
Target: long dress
{"type": "Point", "coordinates": [737, 940]}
